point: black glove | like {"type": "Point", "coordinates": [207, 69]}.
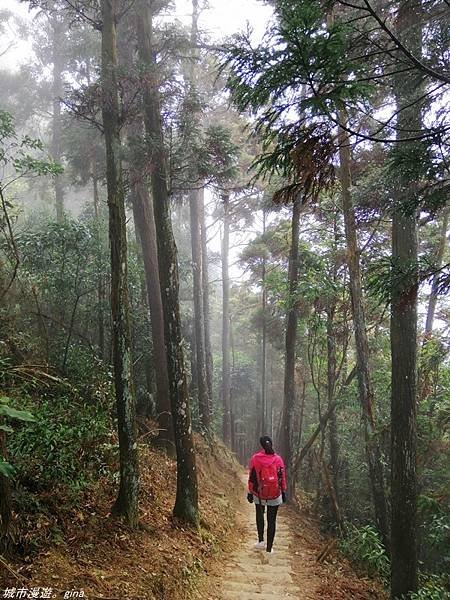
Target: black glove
{"type": "Point", "coordinates": [250, 497]}
{"type": "Point", "coordinates": [283, 496]}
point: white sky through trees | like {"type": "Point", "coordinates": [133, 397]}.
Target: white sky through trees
{"type": "Point", "coordinates": [220, 19]}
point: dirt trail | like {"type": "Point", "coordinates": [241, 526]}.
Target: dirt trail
{"type": "Point", "coordinates": [252, 573]}
{"type": "Point", "coordinates": [291, 571]}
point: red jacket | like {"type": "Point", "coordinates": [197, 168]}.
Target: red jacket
{"type": "Point", "coordinates": [261, 459]}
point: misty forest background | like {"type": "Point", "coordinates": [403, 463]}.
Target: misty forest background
{"type": "Point", "coordinates": [231, 237]}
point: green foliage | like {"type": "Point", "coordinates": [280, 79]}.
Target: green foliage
{"type": "Point", "coordinates": [386, 276]}
{"type": "Point", "coordinates": [435, 531]}
{"type": "Point", "coordinates": [276, 81]}
{"type": "Point", "coordinates": [433, 588]}
{"type": "Point", "coordinates": [68, 442]}
{"type": "Point", "coordinates": [413, 169]}
{"type": "Point", "coordinates": [12, 413]}
{"type": "Point", "coordinates": [21, 152]}
{"type": "Point", "coordinates": [9, 412]}
{"type": "Point", "coordinates": [363, 546]}
{"type": "Point", "coordinates": [62, 264]}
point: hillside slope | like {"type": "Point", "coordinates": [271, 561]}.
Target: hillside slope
{"type": "Point", "coordinates": [84, 552]}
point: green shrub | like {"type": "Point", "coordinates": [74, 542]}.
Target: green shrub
{"type": "Point", "coordinates": [434, 588]}
{"type": "Point", "coordinates": [435, 534]}
{"type": "Point", "coordinates": [363, 546]}
{"type": "Point", "coordinates": [69, 442]}
{"type": "Point", "coordinates": [10, 413]}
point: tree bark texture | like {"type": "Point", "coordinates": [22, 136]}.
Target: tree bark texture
{"type": "Point", "coordinates": [331, 388]}
{"type": "Point", "coordinates": [404, 559]}
{"type": "Point", "coordinates": [100, 281]}
{"type": "Point", "coordinates": [206, 306]}
{"type": "Point", "coordinates": [288, 417]}
{"type": "Point", "coordinates": [186, 502]}
{"type": "Point", "coordinates": [264, 342]}
{"type": "Point", "coordinates": [127, 500]}
{"type": "Point", "coordinates": [442, 245]}
{"type": "Point", "coordinates": [199, 324]}
{"type": "Point", "coordinates": [144, 220]}
{"type": "Point", "coordinates": [226, 372]}
{"type": "Point", "coordinates": [5, 500]}
{"type": "Point", "coordinates": [366, 394]}
{"type": "Point", "coordinates": [195, 199]}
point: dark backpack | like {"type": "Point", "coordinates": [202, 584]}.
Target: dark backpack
{"type": "Point", "coordinates": [268, 482]}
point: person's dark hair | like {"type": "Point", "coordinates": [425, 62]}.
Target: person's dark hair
{"type": "Point", "coordinates": [266, 444]}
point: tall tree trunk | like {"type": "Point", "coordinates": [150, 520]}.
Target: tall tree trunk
{"type": "Point", "coordinates": [57, 91]}
{"type": "Point", "coordinates": [288, 417]}
{"type": "Point", "coordinates": [404, 559]}
{"type": "Point", "coordinates": [264, 341]}
{"type": "Point", "coordinates": [195, 199]}
{"type": "Point", "coordinates": [432, 301]}
{"type": "Point", "coordinates": [144, 220]}
{"type": "Point", "coordinates": [145, 224]}
{"type": "Point", "coordinates": [426, 360]}
{"type": "Point", "coordinates": [226, 374]}
{"type": "Point", "coordinates": [186, 503]}
{"type": "Point", "coordinates": [127, 500]}
{"type": "Point", "coordinates": [366, 394]}
{"type": "Point", "coordinates": [5, 499]}
{"type": "Point", "coordinates": [100, 282]}
{"type": "Point", "coordinates": [206, 307]}
{"type": "Point", "coordinates": [331, 387]}
{"type": "Point", "coordinates": [233, 406]}
{"type": "Point", "coordinates": [199, 324]}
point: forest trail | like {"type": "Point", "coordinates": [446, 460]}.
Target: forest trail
{"type": "Point", "coordinates": [291, 571]}
{"type": "Point", "coordinates": [251, 572]}
{"type": "Point", "coordinates": [254, 573]}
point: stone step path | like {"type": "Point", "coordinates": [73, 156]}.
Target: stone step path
{"type": "Point", "coordinates": [252, 574]}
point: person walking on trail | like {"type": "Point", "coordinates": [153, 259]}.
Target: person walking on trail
{"type": "Point", "coordinates": [266, 488]}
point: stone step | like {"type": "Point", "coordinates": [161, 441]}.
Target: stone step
{"type": "Point", "coordinates": [276, 595]}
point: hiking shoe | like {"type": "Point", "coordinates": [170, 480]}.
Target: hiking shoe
{"type": "Point", "coordinates": [260, 545]}
{"type": "Point", "coordinates": [270, 551]}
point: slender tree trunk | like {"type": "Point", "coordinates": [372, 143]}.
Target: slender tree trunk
{"type": "Point", "coordinates": [206, 307]}
{"type": "Point", "coordinates": [233, 405]}
{"type": "Point", "coordinates": [332, 374]}
{"type": "Point", "coordinates": [186, 503]}
{"type": "Point", "coordinates": [404, 559]}
{"type": "Point", "coordinates": [199, 324]}
{"type": "Point", "coordinates": [5, 499]}
{"type": "Point", "coordinates": [193, 387]}
{"type": "Point", "coordinates": [144, 220]}
{"type": "Point", "coordinates": [145, 405]}
{"type": "Point", "coordinates": [302, 413]}
{"type": "Point", "coordinates": [321, 426]}
{"type": "Point", "coordinates": [100, 282]}
{"type": "Point", "coordinates": [432, 301]}
{"type": "Point", "coordinates": [226, 375]}
{"type": "Point", "coordinates": [425, 362]}
{"type": "Point", "coordinates": [145, 224]}
{"type": "Point", "coordinates": [331, 387]}
{"type": "Point", "coordinates": [57, 91]}
{"type": "Point", "coordinates": [127, 500]}
{"type": "Point", "coordinates": [287, 423]}
{"type": "Point", "coordinates": [366, 394]}
{"type": "Point", "coordinates": [264, 341]}
{"type": "Point", "coordinates": [195, 199]}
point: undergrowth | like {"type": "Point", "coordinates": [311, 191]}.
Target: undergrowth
{"type": "Point", "coordinates": [363, 546]}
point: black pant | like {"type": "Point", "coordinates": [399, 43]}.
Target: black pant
{"type": "Point", "coordinates": [271, 521]}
